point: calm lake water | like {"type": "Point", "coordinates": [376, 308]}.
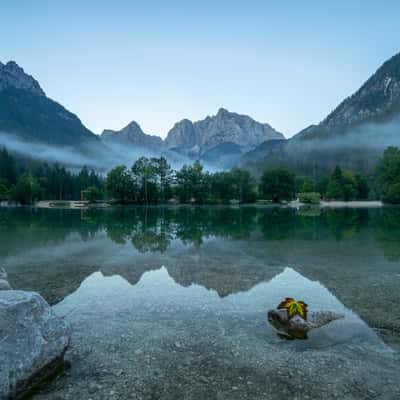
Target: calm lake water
{"type": "Point", "coordinates": [171, 303]}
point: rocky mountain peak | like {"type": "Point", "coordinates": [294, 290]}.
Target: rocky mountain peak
{"type": "Point", "coordinates": [377, 97]}
{"type": "Point", "coordinates": [132, 135]}
{"type": "Point", "coordinates": [222, 112]}
{"type": "Point", "coordinates": [225, 127]}
{"type": "Point", "coordinates": [182, 135]}
{"type": "Point", "coordinates": [12, 75]}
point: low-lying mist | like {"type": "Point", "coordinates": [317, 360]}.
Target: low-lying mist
{"type": "Point", "coordinates": [101, 157]}
{"type": "Point", "coordinates": [67, 156]}
{"type": "Point", "coordinates": [376, 136]}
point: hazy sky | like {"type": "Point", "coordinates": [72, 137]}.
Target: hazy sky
{"type": "Point", "coordinates": [288, 63]}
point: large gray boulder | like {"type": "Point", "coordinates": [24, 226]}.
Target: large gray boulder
{"type": "Point", "coordinates": [33, 341]}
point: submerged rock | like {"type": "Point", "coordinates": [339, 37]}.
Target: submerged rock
{"type": "Point", "coordinates": [33, 342]}
{"type": "Point", "coordinates": [4, 285]}
{"type": "Point", "coordinates": [297, 327]}
{"type": "Point", "coordinates": [3, 274]}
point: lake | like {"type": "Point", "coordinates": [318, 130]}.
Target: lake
{"type": "Point", "coordinates": [171, 303]}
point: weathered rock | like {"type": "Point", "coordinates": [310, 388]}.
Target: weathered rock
{"type": "Point", "coordinates": [133, 136]}
{"type": "Point", "coordinates": [3, 274]}
{"type": "Point", "coordinates": [4, 285]}
{"type": "Point", "coordinates": [33, 342]}
{"type": "Point", "coordinates": [297, 327]}
{"type": "Point", "coordinates": [197, 138]}
{"type": "Point", "coordinates": [12, 75]}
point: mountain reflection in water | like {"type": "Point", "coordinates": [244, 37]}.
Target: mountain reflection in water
{"type": "Point", "coordinates": [188, 342]}
{"type": "Point", "coordinates": [353, 252]}
{"type": "Point", "coordinates": [197, 327]}
{"type": "Point", "coordinates": [157, 296]}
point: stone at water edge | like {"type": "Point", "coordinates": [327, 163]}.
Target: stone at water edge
{"type": "Point", "coordinates": [3, 274]}
{"type": "Point", "coordinates": [33, 341]}
{"type": "Point", "coordinates": [297, 327]}
{"type": "Point", "coordinates": [4, 285]}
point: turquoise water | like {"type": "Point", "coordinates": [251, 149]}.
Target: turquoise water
{"type": "Point", "coordinates": [148, 288]}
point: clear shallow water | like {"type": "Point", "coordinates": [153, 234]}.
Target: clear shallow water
{"type": "Point", "coordinates": [172, 303]}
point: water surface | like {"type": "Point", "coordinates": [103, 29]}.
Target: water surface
{"type": "Point", "coordinates": [172, 302]}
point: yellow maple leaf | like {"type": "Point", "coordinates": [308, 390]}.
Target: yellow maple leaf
{"type": "Point", "coordinates": [294, 307]}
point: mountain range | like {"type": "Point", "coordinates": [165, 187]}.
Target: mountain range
{"type": "Point", "coordinates": [217, 140]}
{"type": "Point", "coordinates": [353, 135]}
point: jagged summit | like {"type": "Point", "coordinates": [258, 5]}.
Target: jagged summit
{"type": "Point", "coordinates": [197, 138]}
{"type": "Point", "coordinates": [132, 135]}
{"type": "Point", "coordinates": [13, 76]}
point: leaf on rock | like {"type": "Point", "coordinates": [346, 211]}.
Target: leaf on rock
{"type": "Point", "coordinates": [294, 307]}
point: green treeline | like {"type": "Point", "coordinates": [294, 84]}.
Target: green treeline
{"type": "Point", "coordinates": [25, 181]}
{"type": "Point", "coordinates": [153, 181]}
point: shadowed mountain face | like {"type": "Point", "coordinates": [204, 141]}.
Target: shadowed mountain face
{"type": "Point", "coordinates": [354, 135]}
{"type": "Point", "coordinates": [27, 113]}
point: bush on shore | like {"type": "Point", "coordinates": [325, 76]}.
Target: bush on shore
{"type": "Point", "coordinates": [310, 198]}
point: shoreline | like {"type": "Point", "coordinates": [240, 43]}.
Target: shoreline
{"type": "Point", "coordinates": [73, 204]}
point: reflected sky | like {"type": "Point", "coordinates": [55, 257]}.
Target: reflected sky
{"type": "Point", "coordinates": [175, 300]}
{"type": "Point", "coordinates": [171, 339]}
{"type": "Point", "coordinates": [354, 253]}
{"type": "Point", "coordinates": [157, 296]}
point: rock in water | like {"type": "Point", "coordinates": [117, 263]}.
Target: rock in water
{"type": "Point", "coordinates": [33, 341]}
{"type": "Point", "coordinates": [4, 285]}
{"type": "Point", "coordinates": [3, 274]}
{"type": "Point", "coordinates": [297, 327]}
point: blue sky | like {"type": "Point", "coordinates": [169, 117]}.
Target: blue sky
{"type": "Point", "coordinates": [288, 63]}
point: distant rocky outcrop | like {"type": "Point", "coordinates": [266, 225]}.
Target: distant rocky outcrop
{"type": "Point", "coordinates": [196, 139]}
{"type": "Point", "coordinates": [33, 342]}
{"type": "Point", "coordinates": [132, 136]}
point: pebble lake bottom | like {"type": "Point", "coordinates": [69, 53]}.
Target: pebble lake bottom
{"type": "Point", "coordinates": [171, 303]}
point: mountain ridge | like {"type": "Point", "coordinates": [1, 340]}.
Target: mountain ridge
{"type": "Point", "coordinates": [197, 138]}
{"type": "Point", "coordinates": [132, 134]}
{"type": "Point", "coordinates": [353, 135]}
{"type": "Point", "coordinates": [13, 76]}
{"type": "Point", "coordinates": [213, 139]}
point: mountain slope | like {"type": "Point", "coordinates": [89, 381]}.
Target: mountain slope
{"type": "Point", "coordinates": [196, 139]}
{"type": "Point", "coordinates": [133, 137]}
{"type": "Point", "coordinates": [377, 100]}
{"type": "Point", "coordinates": [354, 135]}
{"type": "Point", "coordinates": [26, 112]}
